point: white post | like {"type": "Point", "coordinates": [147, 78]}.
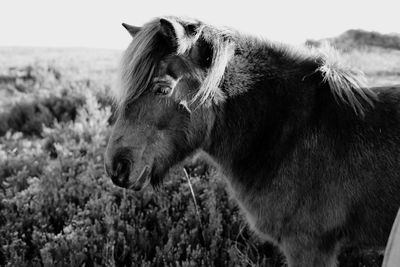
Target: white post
{"type": "Point", "coordinates": [392, 251]}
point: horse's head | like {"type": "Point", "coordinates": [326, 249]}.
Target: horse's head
{"type": "Point", "coordinates": [169, 73]}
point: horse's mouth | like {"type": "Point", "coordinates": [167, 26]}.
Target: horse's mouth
{"type": "Point", "coordinates": [142, 181]}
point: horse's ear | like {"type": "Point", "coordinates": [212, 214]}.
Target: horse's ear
{"type": "Point", "coordinates": [172, 31]}
{"type": "Point", "coordinates": [133, 30]}
{"type": "Point", "coordinates": [167, 28]}
{"type": "Point", "coordinates": [180, 36]}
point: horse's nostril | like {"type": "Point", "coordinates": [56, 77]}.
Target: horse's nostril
{"type": "Point", "coordinates": [120, 174]}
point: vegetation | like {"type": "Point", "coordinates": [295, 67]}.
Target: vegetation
{"type": "Point", "coordinates": [359, 39]}
{"type": "Point", "coordinates": [58, 208]}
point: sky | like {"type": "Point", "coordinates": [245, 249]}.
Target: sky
{"type": "Point", "coordinates": [97, 23]}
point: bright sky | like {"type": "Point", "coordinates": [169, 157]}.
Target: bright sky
{"type": "Point", "coordinates": [97, 23]}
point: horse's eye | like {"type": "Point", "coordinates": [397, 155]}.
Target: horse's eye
{"type": "Point", "coordinates": [160, 90]}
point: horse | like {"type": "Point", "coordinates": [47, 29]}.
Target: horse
{"type": "Point", "coordinates": [309, 152]}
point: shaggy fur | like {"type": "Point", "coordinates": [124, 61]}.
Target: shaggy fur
{"type": "Point", "coordinates": [311, 154]}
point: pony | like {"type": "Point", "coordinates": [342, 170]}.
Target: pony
{"type": "Point", "coordinates": [310, 154]}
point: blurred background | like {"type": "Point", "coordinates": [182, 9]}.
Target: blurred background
{"type": "Point", "coordinates": [57, 64]}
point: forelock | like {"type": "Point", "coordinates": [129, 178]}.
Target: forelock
{"type": "Point", "coordinates": [137, 65]}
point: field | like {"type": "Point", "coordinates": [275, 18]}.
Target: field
{"type": "Point", "coordinates": [58, 208]}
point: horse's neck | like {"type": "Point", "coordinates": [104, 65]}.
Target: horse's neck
{"type": "Point", "coordinates": [255, 126]}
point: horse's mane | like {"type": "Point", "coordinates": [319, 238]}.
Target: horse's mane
{"type": "Point", "coordinates": [139, 63]}
{"type": "Point", "coordinates": [347, 85]}
{"type": "Point", "coordinates": [224, 48]}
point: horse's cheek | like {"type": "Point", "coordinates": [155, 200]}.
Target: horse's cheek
{"type": "Point", "coordinates": [160, 142]}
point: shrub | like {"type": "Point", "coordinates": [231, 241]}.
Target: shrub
{"type": "Point", "coordinates": [30, 117]}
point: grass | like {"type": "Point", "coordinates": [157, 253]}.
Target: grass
{"type": "Point", "coordinates": [381, 66]}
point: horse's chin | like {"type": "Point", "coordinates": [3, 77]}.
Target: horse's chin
{"type": "Point", "coordinates": [148, 176]}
